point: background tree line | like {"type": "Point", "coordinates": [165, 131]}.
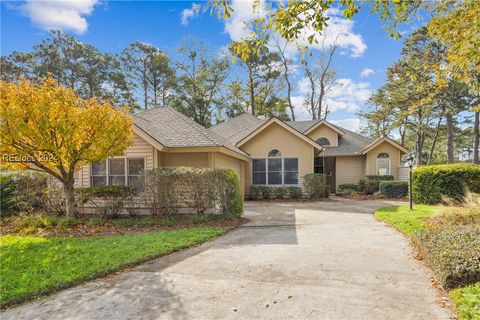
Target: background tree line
{"type": "Point", "coordinates": [427, 104]}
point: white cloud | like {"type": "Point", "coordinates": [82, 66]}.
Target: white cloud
{"type": "Point", "coordinates": [352, 124]}
{"type": "Point", "coordinates": [59, 14]}
{"type": "Point", "coordinates": [348, 95]}
{"type": "Point", "coordinates": [244, 11]}
{"type": "Point", "coordinates": [345, 95]}
{"type": "Point", "coordinates": [339, 32]}
{"type": "Point", "coordinates": [366, 72]}
{"type": "Point", "coordinates": [188, 14]}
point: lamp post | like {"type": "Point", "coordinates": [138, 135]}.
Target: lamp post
{"type": "Point", "coordinates": [410, 165]}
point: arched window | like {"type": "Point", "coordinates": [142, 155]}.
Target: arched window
{"type": "Point", "coordinates": [383, 164]}
{"type": "Point", "coordinates": [274, 154]}
{"type": "Point", "coordinates": [323, 141]}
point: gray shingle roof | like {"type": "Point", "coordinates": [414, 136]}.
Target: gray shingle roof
{"type": "Point", "coordinates": [173, 129]}
{"type": "Point", "coordinates": [236, 129]}
{"type": "Point", "coordinates": [350, 143]}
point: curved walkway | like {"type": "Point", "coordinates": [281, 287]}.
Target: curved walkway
{"type": "Point", "coordinates": [322, 260]}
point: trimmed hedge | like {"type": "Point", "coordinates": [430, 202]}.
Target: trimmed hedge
{"type": "Point", "coordinates": [109, 200]}
{"type": "Point", "coordinates": [167, 188]}
{"type": "Point", "coordinates": [432, 183]}
{"type": "Point", "coordinates": [316, 186]}
{"type": "Point", "coordinates": [266, 192]}
{"type": "Point", "coordinates": [394, 189]}
{"type": "Point", "coordinates": [380, 177]}
{"type": "Point", "coordinates": [372, 186]}
{"type": "Point", "coordinates": [453, 253]}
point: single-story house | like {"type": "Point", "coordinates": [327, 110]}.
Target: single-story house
{"type": "Point", "coordinates": [267, 152]}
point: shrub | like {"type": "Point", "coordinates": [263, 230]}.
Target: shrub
{"type": "Point", "coordinates": [203, 189]}
{"type": "Point", "coordinates": [280, 192]}
{"type": "Point", "coordinates": [294, 192]}
{"type": "Point", "coordinates": [371, 186]}
{"type": "Point", "coordinates": [468, 213]}
{"type": "Point", "coordinates": [362, 182]}
{"type": "Point", "coordinates": [228, 191]}
{"type": "Point", "coordinates": [256, 192]}
{"type": "Point", "coordinates": [394, 189]}
{"type": "Point", "coordinates": [23, 191]}
{"type": "Point", "coordinates": [7, 192]}
{"type": "Point", "coordinates": [316, 186]}
{"type": "Point", "coordinates": [267, 192]}
{"type": "Point", "coordinates": [36, 221]}
{"type": "Point", "coordinates": [162, 190]}
{"type": "Point", "coordinates": [453, 253]}
{"type": "Point", "coordinates": [380, 177]}
{"type": "Point", "coordinates": [109, 200]}
{"type": "Point", "coordinates": [432, 183]}
{"type": "Point", "coordinates": [348, 186]}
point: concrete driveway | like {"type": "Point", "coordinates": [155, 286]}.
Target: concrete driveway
{"type": "Point", "coordinates": [323, 260]}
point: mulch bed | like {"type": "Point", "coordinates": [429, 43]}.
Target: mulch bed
{"type": "Point", "coordinates": [83, 227]}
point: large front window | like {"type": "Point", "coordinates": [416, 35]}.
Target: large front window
{"type": "Point", "coordinates": [117, 172]}
{"type": "Point", "coordinates": [275, 170]}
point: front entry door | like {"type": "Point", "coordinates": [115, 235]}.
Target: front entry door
{"type": "Point", "coordinates": [330, 172]}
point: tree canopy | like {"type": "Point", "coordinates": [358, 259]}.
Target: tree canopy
{"type": "Point", "coordinates": [47, 127]}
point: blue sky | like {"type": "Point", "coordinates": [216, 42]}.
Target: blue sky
{"type": "Point", "coordinates": [366, 50]}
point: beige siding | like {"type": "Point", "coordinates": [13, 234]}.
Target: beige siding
{"type": "Point", "coordinates": [276, 137]}
{"type": "Point", "coordinates": [236, 165]}
{"type": "Point", "coordinates": [186, 159]}
{"type": "Point", "coordinates": [349, 169]}
{"type": "Point", "coordinates": [393, 152]}
{"type": "Point", "coordinates": [326, 132]}
{"type": "Point", "coordinates": [139, 149]}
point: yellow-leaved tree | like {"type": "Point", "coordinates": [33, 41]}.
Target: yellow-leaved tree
{"type": "Point", "coordinates": [49, 128]}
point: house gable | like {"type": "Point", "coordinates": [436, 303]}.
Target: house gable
{"type": "Point", "coordinates": [324, 131]}
{"type": "Point", "coordinates": [384, 140]}
{"type": "Point", "coordinates": [394, 155]}
{"type": "Point", "coordinates": [285, 127]}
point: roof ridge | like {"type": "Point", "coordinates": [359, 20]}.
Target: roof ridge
{"type": "Point", "coordinates": [198, 127]}
{"type": "Point", "coordinates": [244, 128]}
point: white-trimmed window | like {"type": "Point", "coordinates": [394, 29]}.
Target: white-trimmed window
{"type": "Point", "coordinates": [383, 164]}
{"type": "Point", "coordinates": [275, 170]}
{"type": "Point", "coordinates": [117, 172]}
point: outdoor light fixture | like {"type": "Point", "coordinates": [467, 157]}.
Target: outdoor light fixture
{"type": "Point", "coordinates": [410, 159]}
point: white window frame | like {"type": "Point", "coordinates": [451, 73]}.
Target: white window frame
{"type": "Point", "coordinates": [107, 170]}
{"type": "Point", "coordinates": [282, 172]}
{"type": "Point", "coordinates": [389, 164]}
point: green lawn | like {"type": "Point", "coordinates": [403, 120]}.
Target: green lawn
{"type": "Point", "coordinates": [406, 220]}
{"type": "Point", "coordinates": [32, 266]}
{"type": "Point", "coordinates": [467, 301]}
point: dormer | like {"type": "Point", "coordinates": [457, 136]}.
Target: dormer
{"type": "Point", "coordinates": [325, 134]}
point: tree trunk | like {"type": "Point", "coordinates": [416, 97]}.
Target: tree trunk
{"type": "Point", "coordinates": [252, 94]}
{"type": "Point", "coordinates": [435, 137]}
{"type": "Point", "coordinates": [419, 148]}
{"type": "Point", "coordinates": [69, 197]}
{"type": "Point", "coordinates": [449, 118]}
{"type": "Point", "coordinates": [289, 90]}
{"type": "Point", "coordinates": [145, 95]}
{"type": "Point", "coordinates": [476, 138]}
